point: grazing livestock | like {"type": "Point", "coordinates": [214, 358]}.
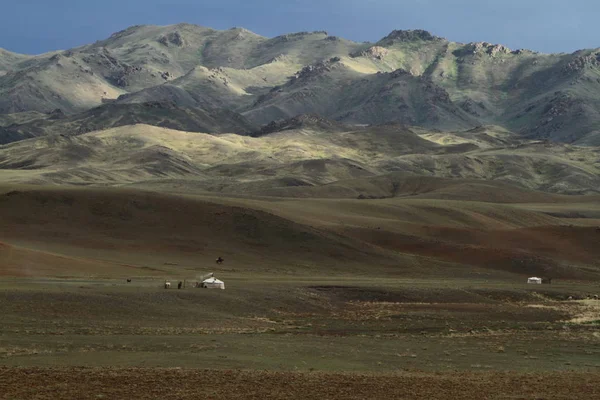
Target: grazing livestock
{"type": "Point", "coordinates": [167, 285]}
{"type": "Point", "coordinates": [220, 260]}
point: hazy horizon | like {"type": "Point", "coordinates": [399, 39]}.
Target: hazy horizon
{"type": "Point", "coordinates": [550, 26]}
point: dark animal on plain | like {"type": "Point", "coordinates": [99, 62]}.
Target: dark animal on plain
{"type": "Point", "coordinates": [128, 280]}
{"type": "Point", "coordinates": [179, 285]}
{"type": "Point", "coordinates": [220, 260]}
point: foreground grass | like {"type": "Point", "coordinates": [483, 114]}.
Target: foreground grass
{"type": "Point", "coordinates": [508, 351]}
{"type": "Point", "coordinates": [350, 325]}
{"type": "Point", "coordinates": [112, 383]}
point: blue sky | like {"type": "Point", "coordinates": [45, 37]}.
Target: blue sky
{"type": "Point", "coordinates": [36, 26]}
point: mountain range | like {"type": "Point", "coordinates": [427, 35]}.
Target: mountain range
{"type": "Point", "coordinates": [301, 109]}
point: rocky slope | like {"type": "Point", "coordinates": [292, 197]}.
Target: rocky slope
{"type": "Point", "coordinates": [411, 77]}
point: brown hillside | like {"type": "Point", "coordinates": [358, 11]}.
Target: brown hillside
{"type": "Point", "coordinates": [127, 225]}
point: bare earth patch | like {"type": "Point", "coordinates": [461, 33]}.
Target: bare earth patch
{"type": "Point", "coordinates": [112, 383]}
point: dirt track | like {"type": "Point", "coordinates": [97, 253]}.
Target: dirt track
{"type": "Point", "coordinates": [77, 383]}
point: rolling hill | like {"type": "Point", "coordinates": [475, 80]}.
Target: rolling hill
{"type": "Point", "coordinates": [305, 157]}
{"type": "Point", "coordinates": [163, 114]}
{"type": "Point", "coordinates": [116, 232]}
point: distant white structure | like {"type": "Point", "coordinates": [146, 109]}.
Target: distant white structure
{"type": "Point", "coordinates": [213, 283]}
{"type": "Point", "coordinates": [534, 280]}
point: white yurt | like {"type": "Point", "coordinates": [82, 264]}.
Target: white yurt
{"type": "Point", "coordinates": [534, 280]}
{"type": "Point", "coordinates": [213, 283]}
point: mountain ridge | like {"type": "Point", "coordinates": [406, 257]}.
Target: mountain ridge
{"type": "Point", "coordinates": [400, 34]}
{"type": "Point", "coordinates": [409, 76]}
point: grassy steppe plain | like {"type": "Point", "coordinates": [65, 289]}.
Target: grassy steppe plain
{"type": "Point", "coordinates": [416, 297]}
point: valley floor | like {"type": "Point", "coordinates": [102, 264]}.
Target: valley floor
{"type": "Point", "coordinates": [381, 298]}
{"type": "Point", "coordinates": [75, 338]}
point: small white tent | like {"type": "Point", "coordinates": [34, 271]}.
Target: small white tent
{"type": "Point", "coordinates": [213, 283]}
{"type": "Point", "coordinates": [534, 280]}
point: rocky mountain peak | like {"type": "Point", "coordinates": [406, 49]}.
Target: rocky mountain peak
{"type": "Point", "coordinates": [297, 36]}
{"type": "Point", "coordinates": [376, 52]}
{"type": "Point", "coordinates": [125, 32]}
{"type": "Point", "coordinates": [410, 36]}
{"type": "Point", "coordinates": [314, 70]}
{"type": "Point", "coordinates": [582, 62]}
{"type": "Point", "coordinates": [488, 48]}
